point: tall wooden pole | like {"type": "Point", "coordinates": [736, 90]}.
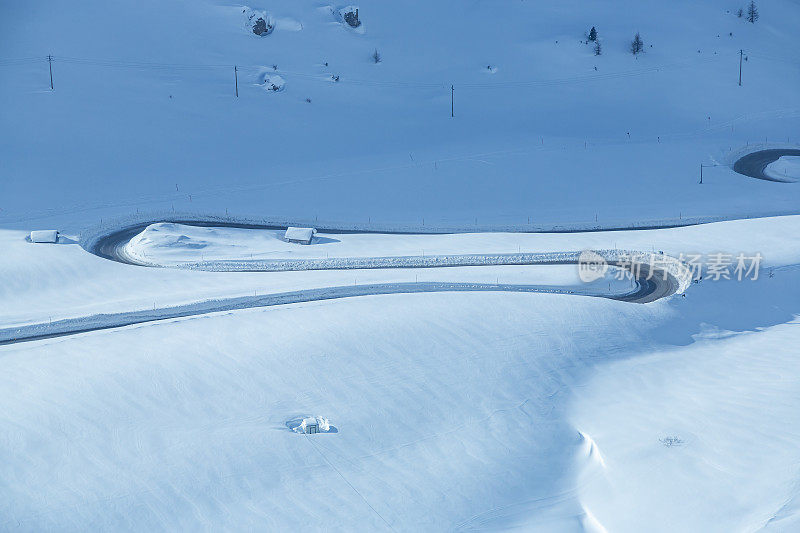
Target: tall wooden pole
{"type": "Point", "coordinates": [50, 62]}
{"type": "Point", "coordinates": [741, 52]}
{"type": "Point", "coordinates": [236, 79]}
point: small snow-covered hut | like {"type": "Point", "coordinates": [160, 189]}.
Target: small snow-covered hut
{"type": "Point", "coordinates": [310, 425]}
{"type": "Point", "coordinates": [299, 235]}
{"type": "Point", "coordinates": [47, 235]}
{"type": "Point", "coordinates": [314, 424]}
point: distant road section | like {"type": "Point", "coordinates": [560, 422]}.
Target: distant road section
{"type": "Point", "coordinates": [754, 164]}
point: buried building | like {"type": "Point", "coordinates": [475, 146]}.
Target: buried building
{"type": "Point", "coordinates": [48, 236]}
{"type": "Point", "coordinates": [299, 235]}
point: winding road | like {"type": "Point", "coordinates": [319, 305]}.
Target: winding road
{"type": "Point", "coordinates": [652, 280]}
{"type": "Point", "coordinates": [755, 163]}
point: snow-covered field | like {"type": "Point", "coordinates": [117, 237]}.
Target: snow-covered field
{"type": "Point", "coordinates": [150, 121]}
{"type": "Point", "coordinates": [452, 411]}
{"type": "Point", "coordinates": [480, 409]}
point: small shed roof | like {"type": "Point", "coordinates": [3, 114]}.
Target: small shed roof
{"type": "Point", "coordinates": [299, 234]}
{"type": "Point", "coordinates": [48, 235]}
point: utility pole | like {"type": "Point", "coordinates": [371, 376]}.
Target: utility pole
{"type": "Point", "coordinates": [236, 78]}
{"type": "Point", "coordinates": [741, 53]}
{"type": "Point", "coordinates": [452, 108]}
{"type": "Point", "coordinates": [701, 173]}
{"type": "Point", "coordinates": [50, 62]}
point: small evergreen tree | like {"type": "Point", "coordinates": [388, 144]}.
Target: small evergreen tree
{"type": "Point", "coordinates": [376, 56]}
{"type": "Point", "coordinates": [593, 34]}
{"type": "Point", "coordinates": [740, 13]}
{"type": "Point", "coordinates": [752, 12]}
{"type": "Point", "coordinates": [637, 45]}
{"type": "Point", "coordinates": [598, 50]}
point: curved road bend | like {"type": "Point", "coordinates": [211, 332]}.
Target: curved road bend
{"type": "Point", "coordinates": [754, 164]}
{"type": "Point", "coordinates": [646, 289]}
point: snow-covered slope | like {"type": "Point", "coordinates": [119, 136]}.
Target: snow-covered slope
{"type": "Point", "coordinates": [451, 411]}
{"type": "Point", "coordinates": [144, 117]}
{"type": "Point", "coordinates": [447, 411]}
{"type": "Point", "coordinates": [717, 424]}
{"type": "Point", "coordinates": [447, 408]}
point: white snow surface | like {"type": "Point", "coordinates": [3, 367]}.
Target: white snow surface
{"type": "Point", "coordinates": [786, 168]}
{"type": "Point", "coordinates": [485, 411]}
{"type": "Point", "coordinates": [490, 411]}
{"type": "Point", "coordinates": [150, 120]}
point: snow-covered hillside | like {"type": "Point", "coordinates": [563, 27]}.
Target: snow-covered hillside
{"type": "Point", "coordinates": [431, 360]}
{"type": "Point", "coordinates": [451, 411]}
{"type": "Point", "coordinates": [144, 116]}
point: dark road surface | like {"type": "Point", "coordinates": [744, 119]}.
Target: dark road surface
{"type": "Point", "coordinates": [753, 164]}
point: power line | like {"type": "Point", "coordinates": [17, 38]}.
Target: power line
{"type": "Point", "coordinates": [144, 65]}
{"type": "Point", "coordinates": [115, 63]}
{"type": "Point", "coordinates": [19, 61]}
{"type": "Point", "coordinates": [790, 61]}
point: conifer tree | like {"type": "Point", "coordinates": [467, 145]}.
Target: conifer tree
{"type": "Point", "coordinates": [637, 45]}
{"type": "Point", "coordinates": [752, 12]}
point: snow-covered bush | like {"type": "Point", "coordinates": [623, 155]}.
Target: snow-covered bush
{"type": "Point", "coordinates": [310, 424]}
{"type": "Point", "coordinates": [349, 17]}
{"type": "Point", "coordinates": [271, 82]}
{"type": "Point", "coordinates": [258, 22]}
